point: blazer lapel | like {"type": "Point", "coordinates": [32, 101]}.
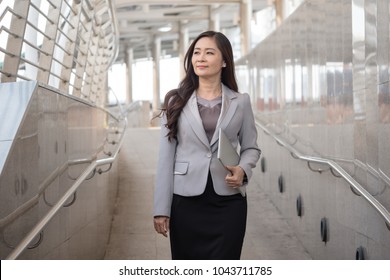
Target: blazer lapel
{"type": "Point", "coordinates": [227, 111]}
{"type": "Point", "coordinates": [191, 112]}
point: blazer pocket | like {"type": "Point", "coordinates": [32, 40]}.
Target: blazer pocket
{"type": "Point", "coordinates": [181, 168]}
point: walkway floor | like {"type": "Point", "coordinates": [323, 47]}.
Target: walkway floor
{"type": "Point", "coordinates": [268, 235]}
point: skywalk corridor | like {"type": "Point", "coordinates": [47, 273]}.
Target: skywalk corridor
{"type": "Point", "coordinates": [133, 237]}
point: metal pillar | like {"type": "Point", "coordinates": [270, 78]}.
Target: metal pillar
{"type": "Point", "coordinates": [70, 45]}
{"type": "Point", "coordinates": [15, 41]}
{"type": "Point", "coordinates": [49, 40]}
{"type": "Point", "coordinates": [129, 76]}
{"type": "Point", "coordinates": [30, 52]}
{"type": "Point", "coordinates": [183, 46]}
{"type": "Point", "coordinates": [279, 11]}
{"type": "Point", "coordinates": [245, 25]}
{"type": "Point", "coordinates": [214, 18]}
{"type": "Point", "coordinates": [82, 54]}
{"type": "Point", "coordinates": [156, 74]}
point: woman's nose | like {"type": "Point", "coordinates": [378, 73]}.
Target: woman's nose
{"type": "Point", "coordinates": [201, 57]}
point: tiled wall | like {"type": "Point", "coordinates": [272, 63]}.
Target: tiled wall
{"type": "Point", "coordinates": [56, 130]}
{"type": "Point", "coordinates": [321, 81]}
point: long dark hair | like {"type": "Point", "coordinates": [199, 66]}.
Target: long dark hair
{"type": "Point", "coordinates": [176, 99]}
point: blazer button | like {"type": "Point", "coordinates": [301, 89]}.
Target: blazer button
{"type": "Point", "coordinates": [209, 155]}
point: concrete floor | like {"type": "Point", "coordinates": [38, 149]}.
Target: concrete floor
{"type": "Point", "coordinates": [268, 235]}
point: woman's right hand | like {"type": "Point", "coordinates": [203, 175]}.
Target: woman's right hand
{"type": "Point", "coordinates": [161, 225]}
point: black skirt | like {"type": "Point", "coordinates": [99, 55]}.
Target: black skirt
{"type": "Point", "coordinates": [208, 226]}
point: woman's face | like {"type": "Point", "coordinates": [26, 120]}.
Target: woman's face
{"type": "Point", "coordinates": [207, 58]}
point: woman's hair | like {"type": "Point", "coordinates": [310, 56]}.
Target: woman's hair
{"type": "Point", "coordinates": [176, 99]}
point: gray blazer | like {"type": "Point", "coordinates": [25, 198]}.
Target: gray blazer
{"type": "Point", "coordinates": [183, 165]}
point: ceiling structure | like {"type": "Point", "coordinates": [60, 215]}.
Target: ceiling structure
{"type": "Point", "coordinates": [140, 22]}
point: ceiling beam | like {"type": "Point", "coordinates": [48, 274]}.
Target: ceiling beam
{"type": "Point", "coordinates": [158, 17]}
{"type": "Point", "coordinates": [119, 3]}
{"type": "Point", "coordinates": [165, 14]}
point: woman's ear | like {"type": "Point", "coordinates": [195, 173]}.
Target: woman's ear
{"type": "Point", "coordinates": [224, 64]}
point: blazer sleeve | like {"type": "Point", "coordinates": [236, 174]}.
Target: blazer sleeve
{"type": "Point", "coordinates": [249, 152]}
{"type": "Point", "coordinates": [164, 178]}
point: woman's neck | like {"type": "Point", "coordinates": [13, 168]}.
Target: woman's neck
{"type": "Point", "coordinates": [209, 91]}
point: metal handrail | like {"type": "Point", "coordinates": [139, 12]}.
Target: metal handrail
{"type": "Point", "coordinates": [5, 221]}
{"type": "Point", "coordinates": [58, 205]}
{"type": "Point", "coordinates": [333, 165]}
{"type": "Point", "coordinates": [377, 174]}
{"type": "Point", "coordinates": [23, 208]}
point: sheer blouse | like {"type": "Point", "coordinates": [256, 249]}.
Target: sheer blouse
{"type": "Point", "coordinates": [209, 111]}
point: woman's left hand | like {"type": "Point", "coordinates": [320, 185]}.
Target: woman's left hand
{"type": "Point", "coordinates": [236, 176]}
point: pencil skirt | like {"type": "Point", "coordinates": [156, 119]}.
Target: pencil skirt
{"type": "Point", "coordinates": [208, 226]}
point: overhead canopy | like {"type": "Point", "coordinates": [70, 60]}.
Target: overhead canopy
{"type": "Point", "coordinates": [140, 22]}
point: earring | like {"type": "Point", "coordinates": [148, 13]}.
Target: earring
{"type": "Point", "coordinates": [224, 64]}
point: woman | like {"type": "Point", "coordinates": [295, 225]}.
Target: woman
{"type": "Point", "coordinates": [197, 200]}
